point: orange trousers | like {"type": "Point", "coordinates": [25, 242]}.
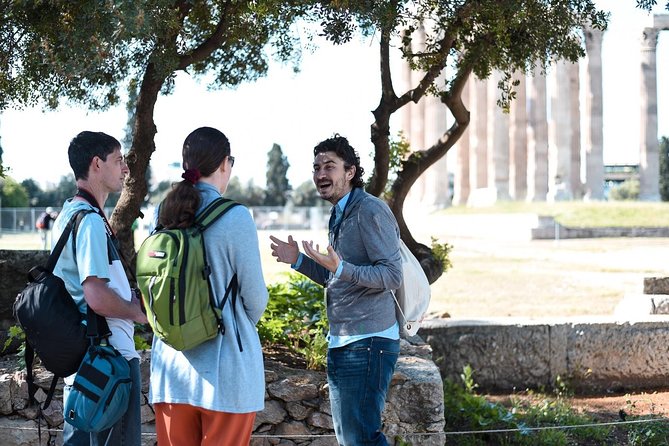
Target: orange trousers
{"type": "Point", "coordinates": [186, 425]}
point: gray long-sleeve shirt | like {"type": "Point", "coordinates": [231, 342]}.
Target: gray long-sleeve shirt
{"type": "Point", "coordinates": [360, 301]}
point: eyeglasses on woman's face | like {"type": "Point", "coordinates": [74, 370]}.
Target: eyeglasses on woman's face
{"type": "Point", "coordinates": [232, 160]}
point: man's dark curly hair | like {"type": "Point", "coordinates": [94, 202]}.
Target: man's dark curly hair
{"type": "Point", "coordinates": [340, 146]}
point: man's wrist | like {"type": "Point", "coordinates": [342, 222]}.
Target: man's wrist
{"type": "Point", "coordinates": [339, 269]}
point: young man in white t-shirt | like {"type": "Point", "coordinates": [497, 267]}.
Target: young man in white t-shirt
{"type": "Point", "coordinates": [95, 276]}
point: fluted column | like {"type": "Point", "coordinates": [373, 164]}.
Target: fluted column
{"type": "Point", "coordinates": [649, 150]}
{"type": "Point", "coordinates": [537, 138]}
{"type": "Point", "coordinates": [416, 129]}
{"type": "Point", "coordinates": [559, 135]}
{"type": "Point", "coordinates": [478, 156]}
{"type": "Point", "coordinates": [437, 192]}
{"type": "Point", "coordinates": [461, 180]}
{"type": "Point", "coordinates": [575, 184]}
{"type": "Point", "coordinates": [594, 116]}
{"type": "Point", "coordinates": [498, 142]}
{"type": "Point", "coordinates": [518, 141]}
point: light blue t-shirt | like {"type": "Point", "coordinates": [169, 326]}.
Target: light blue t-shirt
{"type": "Point", "coordinates": [96, 256]}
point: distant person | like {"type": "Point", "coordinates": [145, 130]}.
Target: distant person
{"type": "Point", "coordinates": [95, 276]}
{"type": "Point", "coordinates": [360, 270]}
{"type": "Point", "coordinates": [43, 225]}
{"type": "Point", "coordinates": [209, 394]}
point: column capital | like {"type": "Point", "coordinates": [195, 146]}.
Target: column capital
{"type": "Point", "coordinates": [649, 39]}
{"type": "Point", "coordinates": [593, 38]}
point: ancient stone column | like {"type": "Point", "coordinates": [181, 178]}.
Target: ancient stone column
{"type": "Point", "coordinates": [518, 142]}
{"type": "Point", "coordinates": [437, 191]}
{"type": "Point", "coordinates": [576, 186]}
{"type": "Point", "coordinates": [498, 143]}
{"type": "Point", "coordinates": [478, 128]}
{"type": "Point", "coordinates": [559, 134]}
{"type": "Point", "coordinates": [649, 150]}
{"type": "Point", "coordinates": [416, 130]}
{"type": "Point", "coordinates": [537, 138]}
{"type": "Point", "coordinates": [594, 116]}
{"type": "Point", "coordinates": [461, 180]}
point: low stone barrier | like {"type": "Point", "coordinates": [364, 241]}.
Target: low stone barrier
{"type": "Point", "coordinates": [593, 354]}
{"type": "Point", "coordinates": [548, 228]}
{"type": "Point", "coordinates": [297, 406]}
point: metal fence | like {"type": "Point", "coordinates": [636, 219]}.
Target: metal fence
{"type": "Point", "coordinates": [22, 220]}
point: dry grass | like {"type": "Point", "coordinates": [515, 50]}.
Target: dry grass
{"type": "Point", "coordinates": [500, 272]}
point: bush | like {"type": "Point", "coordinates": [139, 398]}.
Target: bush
{"type": "Point", "coordinates": [464, 410]}
{"type": "Point", "coordinates": [296, 317]}
{"type": "Point", "coordinates": [628, 190]}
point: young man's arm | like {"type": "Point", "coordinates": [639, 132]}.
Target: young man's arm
{"type": "Point", "coordinates": [105, 302]}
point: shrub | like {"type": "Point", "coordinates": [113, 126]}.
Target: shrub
{"type": "Point", "coordinates": [628, 190]}
{"type": "Point", "coordinates": [295, 317]}
{"type": "Point", "coordinates": [464, 410]}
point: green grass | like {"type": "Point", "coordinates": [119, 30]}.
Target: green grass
{"type": "Point", "coordinates": [583, 214]}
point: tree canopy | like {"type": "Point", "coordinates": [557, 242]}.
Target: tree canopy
{"type": "Point", "coordinates": [91, 52]}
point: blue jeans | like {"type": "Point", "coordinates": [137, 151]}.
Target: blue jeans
{"type": "Point", "coordinates": [359, 375]}
{"type": "Point", "coordinates": [126, 432]}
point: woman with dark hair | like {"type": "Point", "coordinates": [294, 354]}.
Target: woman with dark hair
{"type": "Point", "coordinates": [209, 395]}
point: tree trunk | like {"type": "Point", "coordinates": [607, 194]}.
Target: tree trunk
{"type": "Point", "coordinates": [143, 146]}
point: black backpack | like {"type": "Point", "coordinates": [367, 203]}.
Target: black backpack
{"type": "Point", "coordinates": [50, 319]}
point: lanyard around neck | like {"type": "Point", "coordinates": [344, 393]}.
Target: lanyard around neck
{"type": "Point", "coordinates": [335, 228]}
{"type": "Point", "coordinates": [86, 195]}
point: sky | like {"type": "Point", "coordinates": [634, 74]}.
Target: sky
{"type": "Point", "coordinates": [334, 92]}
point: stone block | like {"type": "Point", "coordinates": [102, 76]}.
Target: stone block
{"type": "Point", "coordinates": [593, 354]}
{"type": "Point", "coordinates": [660, 303]}
{"type": "Point", "coordinates": [503, 355]}
{"type": "Point", "coordinates": [656, 285]}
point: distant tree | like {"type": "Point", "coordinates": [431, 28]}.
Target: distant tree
{"type": "Point", "coordinates": [277, 185]}
{"type": "Point", "coordinates": [158, 193]}
{"type": "Point", "coordinates": [248, 195]}
{"type": "Point", "coordinates": [13, 194]}
{"type": "Point", "coordinates": [306, 195]}
{"type": "Point", "coordinates": [56, 196]}
{"type": "Point", "coordinates": [35, 192]}
{"type": "Point", "coordinates": [235, 190]}
{"type": "Point", "coordinates": [253, 195]}
{"type": "Point", "coordinates": [664, 168]}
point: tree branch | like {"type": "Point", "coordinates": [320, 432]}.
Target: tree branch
{"type": "Point", "coordinates": [207, 47]}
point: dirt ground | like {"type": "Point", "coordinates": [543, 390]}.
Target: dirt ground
{"type": "Point", "coordinates": [607, 408]}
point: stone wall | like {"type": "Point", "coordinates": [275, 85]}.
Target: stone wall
{"type": "Point", "coordinates": [297, 405]}
{"type": "Point", "coordinates": [548, 228]}
{"type": "Point", "coordinates": [593, 354]}
{"type": "Point", "coordinates": [14, 267]}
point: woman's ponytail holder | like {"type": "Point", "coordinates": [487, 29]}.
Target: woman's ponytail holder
{"type": "Point", "coordinates": [191, 175]}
